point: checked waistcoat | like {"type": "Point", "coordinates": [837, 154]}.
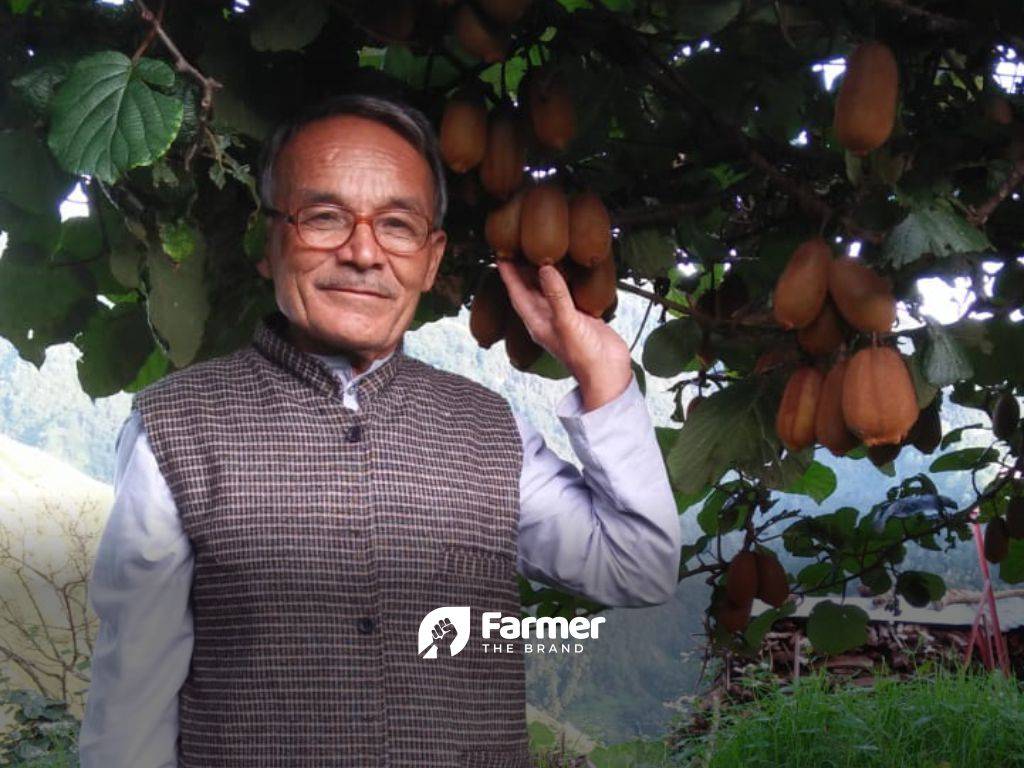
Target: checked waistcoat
{"type": "Point", "coordinates": [322, 537]}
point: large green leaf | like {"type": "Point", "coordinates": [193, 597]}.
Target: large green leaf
{"type": "Point", "coordinates": [945, 361]}
{"type": "Point", "coordinates": [648, 252]}
{"type": "Point", "coordinates": [177, 303]}
{"type": "Point", "coordinates": [834, 628]}
{"type": "Point", "coordinates": [818, 482]}
{"type": "Point", "coordinates": [106, 118]}
{"type": "Point", "coordinates": [920, 587]}
{"type": "Point", "coordinates": [671, 346]}
{"type": "Point", "coordinates": [41, 303]}
{"type": "Point", "coordinates": [1011, 570]}
{"type": "Point", "coordinates": [933, 228]}
{"type": "Point", "coordinates": [115, 345]}
{"type": "Point", "coordinates": [727, 428]}
{"type": "Point", "coordinates": [28, 178]}
{"type": "Point", "coordinates": [964, 459]}
{"type": "Point", "coordinates": [38, 85]}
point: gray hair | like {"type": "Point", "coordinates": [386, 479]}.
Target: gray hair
{"type": "Point", "coordinates": [411, 124]}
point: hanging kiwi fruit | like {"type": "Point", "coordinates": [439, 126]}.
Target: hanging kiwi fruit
{"type": "Point", "coordinates": [501, 169]}
{"type": "Point", "coordinates": [476, 37]}
{"type": "Point", "coordinates": [801, 288]}
{"type": "Point", "coordinates": [594, 289]}
{"type": "Point", "coordinates": [463, 134]}
{"type": "Point", "coordinates": [772, 582]}
{"type": "Point", "coordinates": [997, 540]}
{"type": "Point", "coordinates": [520, 347]}
{"type": "Point", "coordinates": [550, 107]}
{"type": "Point", "coordinates": [490, 310]}
{"type": "Point", "coordinates": [862, 296]}
{"type": "Point", "coordinates": [879, 400]}
{"type": "Point", "coordinates": [866, 105]}
{"type": "Point", "coordinates": [501, 228]}
{"type": "Point", "coordinates": [1005, 415]}
{"type": "Point", "coordinates": [590, 230]}
{"type": "Point", "coordinates": [825, 333]}
{"type": "Point", "coordinates": [795, 420]}
{"type": "Point", "coordinates": [829, 425]}
{"type": "Point", "coordinates": [926, 434]}
{"type": "Point", "coordinates": [544, 224]}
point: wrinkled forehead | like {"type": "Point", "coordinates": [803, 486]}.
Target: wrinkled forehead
{"type": "Point", "coordinates": [356, 161]}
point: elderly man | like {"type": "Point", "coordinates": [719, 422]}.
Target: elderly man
{"type": "Point", "coordinates": [287, 515]}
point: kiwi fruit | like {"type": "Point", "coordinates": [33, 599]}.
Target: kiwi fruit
{"type": "Point", "coordinates": [490, 309]}
{"type": "Point", "coordinates": [865, 109]}
{"type": "Point", "coordinates": [997, 540]}
{"type": "Point", "coordinates": [1005, 415]}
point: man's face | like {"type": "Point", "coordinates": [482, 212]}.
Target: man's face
{"type": "Point", "coordinates": [357, 299]}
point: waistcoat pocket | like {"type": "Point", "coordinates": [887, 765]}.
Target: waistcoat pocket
{"type": "Point", "coordinates": [487, 677]}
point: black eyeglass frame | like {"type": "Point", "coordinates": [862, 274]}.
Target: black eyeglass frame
{"type": "Point", "coordinates": [292, 218]}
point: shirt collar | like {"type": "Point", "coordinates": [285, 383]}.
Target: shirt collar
{"type": "Point", "coordinates": [341, 366]}
{"type": "Point", "coordinates": [270, 338]}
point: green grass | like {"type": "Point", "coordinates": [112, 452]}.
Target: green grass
{"type": "Point", "coordinates": [939, 719]}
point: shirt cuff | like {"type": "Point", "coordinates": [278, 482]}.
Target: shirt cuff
{"type": "Point", "coordinates": [604, 429]}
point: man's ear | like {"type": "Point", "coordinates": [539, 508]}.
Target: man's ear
{"type": "Point", "coordinates": [263, 266]}
{"type": "Point", "coordinates": [436, 252]}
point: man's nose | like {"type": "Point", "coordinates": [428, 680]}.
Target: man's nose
{"type": "Point", "coordinates": [362, 250]}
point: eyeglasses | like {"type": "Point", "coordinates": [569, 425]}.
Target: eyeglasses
{"type": "Point", "coordinates": [326, 226]}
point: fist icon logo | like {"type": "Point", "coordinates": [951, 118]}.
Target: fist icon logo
{"type": "Point", "coordinates": [444, 632]}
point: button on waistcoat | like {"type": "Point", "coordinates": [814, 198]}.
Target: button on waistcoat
{"type": "Point", "coordinates": [322, 537]}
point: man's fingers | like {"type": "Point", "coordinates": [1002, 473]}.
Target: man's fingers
{"type": "Point", "coordinates": [556, 291]}
{"type": "Point", "coordinates": [526, 299]}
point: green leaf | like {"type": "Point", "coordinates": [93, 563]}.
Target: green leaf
{"type": "Point", "coordinates": [29, 180]}
{"type": "Point", "coordinates": [920, 587]}
{"type": "Point", "coordinates": [955, 435]}
{"type": "Point", "coordinates": [945, 361]}
{"type": "Point", "coordinates": [727, 428]}
{"type": "Point", "coordinates": [935, 228]}
{"type": "Point", "coordinates": [41, 303]}
{"type": "Point", "coordinates": [818, 482]}
{"type": "Point", "coordinates": [759, 626]}
{"type": "Point", "coordinates": [287, 26]}
{"type": "Point", "coordinates": [1011, 570]}
{"type": "Point", "coordinates": [548, 367]}
{"type": "Point", "coordinates": [153, 369]}
{"type": "Point", "coordinates": [648, 252]}
{"type": "Point", "coordinates": [106, 119]}
{"type": "Point", "coordinates": [177, 304]}
{"type": "Point", "coordinates": [115, 345]}
{"type": "Point", "coordinates": [964, 459]}
{"type": "Point", "coordinates": [671, 346]}
{"type": "Point", "coordinates": [834, 629]}
{"type": "Point", "coordinates": [178, 240]}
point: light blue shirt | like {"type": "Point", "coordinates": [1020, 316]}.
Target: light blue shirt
{"type": "Point", "coordinates": [610, 534]}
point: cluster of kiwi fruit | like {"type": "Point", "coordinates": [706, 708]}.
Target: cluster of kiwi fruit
{"type": "Point", "coordinates": [838, 400]}
{"type": "Point", "coordinates": [535, 222]}
{"type": "Point", "coordinates": [750, 574]}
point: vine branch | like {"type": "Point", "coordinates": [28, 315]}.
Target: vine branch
{"type": "Point", "coordinates": [182, 64]}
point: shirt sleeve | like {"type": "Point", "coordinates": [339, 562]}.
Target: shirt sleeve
{"type": "Point", "coordinates": [611, 533]}
{"type": "Point", "coordinates": [139, 587]}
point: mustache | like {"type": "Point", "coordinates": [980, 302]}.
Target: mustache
{"type": "Point", "coordinates": [351, 282]}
